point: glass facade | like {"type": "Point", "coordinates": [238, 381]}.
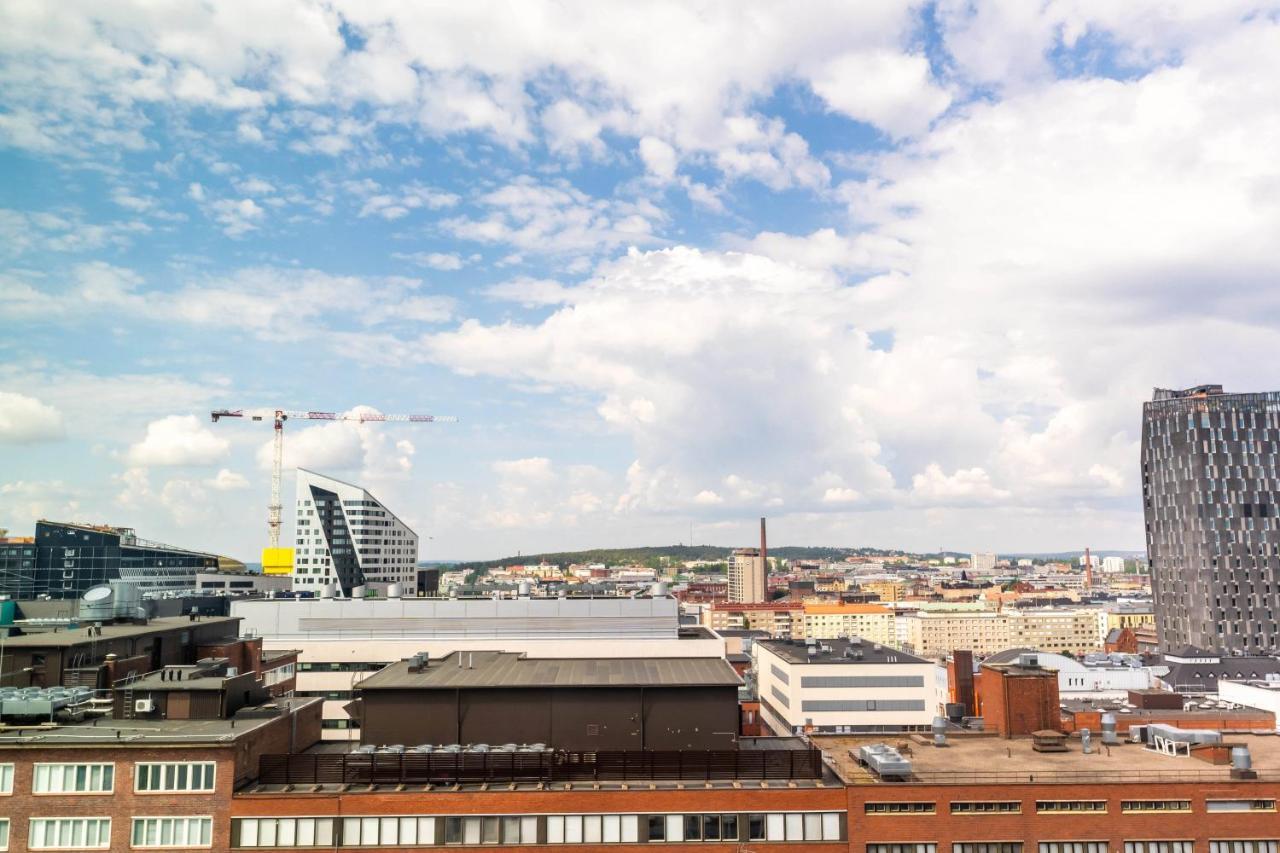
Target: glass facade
{"type": "Point", "coordinates": [1209, 489]}
{"type": "Point", "coordinates": [66, 560]}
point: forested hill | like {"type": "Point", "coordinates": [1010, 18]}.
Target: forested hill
{"type": "Point", "coordinates": [664, 554]}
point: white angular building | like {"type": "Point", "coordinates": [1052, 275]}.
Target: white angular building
{"type": "Point", "coordinates": [346, 538]}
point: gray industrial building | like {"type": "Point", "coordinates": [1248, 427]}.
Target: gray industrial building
{"type": "Point", "coordinates": [581, 704]}
{"type": "Point", "coordinates": [1209, 489]}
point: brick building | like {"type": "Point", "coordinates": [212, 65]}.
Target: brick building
{"type": "Point", "coordinates": [1017, 698]}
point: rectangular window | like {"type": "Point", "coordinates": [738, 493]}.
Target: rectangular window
{"type": "Point", "coordinates": [1073, 847]}
{"type": "Point", "coordinates": [1240, 805]}
{"type": "Point", "coordinates": [73, 779]}
{"type": "Point", "coordinates": [182, 832]}
{"type": "Point", "coordinates": [174, 776]}
{"type": "Point", "coordinates": [4, 833]}
{"type": "Point", "coordinates": [900, 808]}
{"type": "Point", "coordinates": [1158, 847]}
{"type": "Point", "coordinates": [6, 778]}
{"type": "Point", "coordinates": [1065, 806]}
{"type": "Point", "coordinates": [987, 807]}
{"type": "Point", "coordinates": [1240, 846]}
{"type": "Point", "coordinates": [1155, 805]}
{"type": "Point", "coordinates": [987, 847]}
{"type": "Point", "coordinates": [285, 831]}
{"type": "Point", "coordinates": [755, 827]}
{"type": "Point", "coordinates": [923, 847]}
{"type": "Point", "coordinates": [69, 833]}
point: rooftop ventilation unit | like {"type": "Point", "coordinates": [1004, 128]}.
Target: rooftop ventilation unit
{"type": "Point", "coordinates": [884, 760]}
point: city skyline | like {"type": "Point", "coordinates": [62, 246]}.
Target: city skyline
{"type": "Point", "coordinates": [899, 277]}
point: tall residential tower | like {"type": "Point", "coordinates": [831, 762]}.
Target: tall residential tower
{"type": "Point", "coordinates": [346, 538]}
{"type": "Point", "coordinates": [1209, 489]}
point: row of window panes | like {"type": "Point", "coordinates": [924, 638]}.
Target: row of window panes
{"type": "Point", "coordinates": [530, 829]}
{"type": "Point", "coordinates": [987, 807]}
{"type": "Point", "coordinates": [175, 776]}
{"type": "Point", "coordinates": [59, 833]}
{"type": "Point", "coordinates": [181, 832]}
{"type": "Point", "coordinates": [73, 778]}
{"type": "Point", "coordinates": [191, 776]}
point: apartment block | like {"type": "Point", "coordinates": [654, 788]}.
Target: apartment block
{"type": "Point", "coordinates": [839, 620]}
{"type": "Point", "coordinates": [1068, 631]}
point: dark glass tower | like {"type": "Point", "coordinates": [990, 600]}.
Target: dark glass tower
{"type": "Point", "coordinates": [1209, 489]}
{"type": "Point", "coordinates": [64, 560]}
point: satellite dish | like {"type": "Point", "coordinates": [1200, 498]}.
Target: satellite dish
{"type": "Point", "coordinates": [98, 593]}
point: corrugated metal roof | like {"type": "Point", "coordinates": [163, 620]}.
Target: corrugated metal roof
{"type": "Point", "coordinates": [508, 669]}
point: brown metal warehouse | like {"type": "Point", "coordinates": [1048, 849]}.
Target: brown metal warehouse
{"type": "Point", "coordinates": [580, 704]}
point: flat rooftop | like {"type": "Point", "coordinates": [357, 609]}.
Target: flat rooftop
{"type": "Point", "coordinates": [509, 669]}
{"type": "Point", "coordinates": [143, 733]}
{"type": "Point", "coordinates": [795, 651]}
{"type": "Point", "coordinates": [971, 759]}
{"type": "Point", "coordinates": [117, 630]}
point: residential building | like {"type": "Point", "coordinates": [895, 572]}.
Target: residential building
{"type": "Point", "coordinates": [783, 619]}
{"type": "Point", "coordinates": [63, 560]}
{"type": "Point", "coordinates": [1210, 485]}
{"type": "Point", "coordinates": [1112, 565]}
{"type": "Point", "coordinates": [747, 576]}
{"type": "Point", "coordinates": [1130, 615]}
{"type": "Point", "coordinates": [847, 685]}
{"type": "Point", "coordinates": [935, 634]}
{"type": "Point", "coordinates": [838, 620]}
{"type": "Point", "coordinates": [345, 539]}
{"type": "Point", "coordinates": [982, 562]}
{"type": "Point", "coordinates": [886, 590]}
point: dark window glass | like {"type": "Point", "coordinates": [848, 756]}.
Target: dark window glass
{"type": "Point", "coordinates": [657, 827]}
{"type": "Point", "coordinates": [729, 827]}
{"type": "Point", "coordinates": [692, 827]}
{"type": "Point", "coordinates": [711, 827]}
{"type": "Point", "coordinates": [453, 830]}
{"type": "Point", "coordinates": [755, 827]}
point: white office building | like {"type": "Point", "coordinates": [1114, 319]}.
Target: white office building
{"type": "Point", "coordinates": [982, 562]}
{"type": "Point", "coordinates": [839, 686]}
{"type": "Point", "coordinates": [346, 538]}
{"type": "Point", "coordinates": [1097, 676]}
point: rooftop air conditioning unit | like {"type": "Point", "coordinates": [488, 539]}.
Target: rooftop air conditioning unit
{"type": "Point", "coordinates": [143, 706]}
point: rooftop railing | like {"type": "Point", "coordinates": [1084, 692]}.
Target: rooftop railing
{"type": "Point", "coordinates": [442, 768]}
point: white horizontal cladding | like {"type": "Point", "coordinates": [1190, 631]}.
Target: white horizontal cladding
{"type": "Point", "coordinates": [439, 618]}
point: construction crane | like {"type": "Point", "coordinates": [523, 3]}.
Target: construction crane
{"type": "Point", "coordinates": [279, 416]}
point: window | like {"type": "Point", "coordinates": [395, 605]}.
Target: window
{"type": "Point", "coordinates": [1073, 847]}
{"type": "Point", "coordinates": [1158, 847]}
{"type": "Point", "coordinates": [174, 776]}
{"type": "Point", "coordinates": [1155, 805]}
{"type": "Point", "coordinates": [923, 847]}
{"type": "Point", "coordinates": [900, 808]}
{"type": "Point", "coordinates": [1240, 805]}
{"type": "Point", "coordinates": [4, 833]}
{"type": "Point", "coordinates": [294, 831]}
{"type": "Point", "coordinates": [70, 833]}
{"type": "Point", "coordinates": [184, 832]}
{"type": "Point", "coordinates": [1066, 806]}
{"type": "Point", "coordinates": [987, 847]}
{"type": "Point", "coordinates": [1237, 846]}
{"type": "Point", "coordinates": [987, 807]}
{"type": "Point", "coordinates": [74, 778]}
{"type": "Point", "coordinates": [6, 778]}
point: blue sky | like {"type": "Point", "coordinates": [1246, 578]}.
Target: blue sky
{"type": "Point", "coordinates": [895, 276]}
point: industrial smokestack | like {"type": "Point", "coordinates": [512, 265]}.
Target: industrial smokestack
{"type": "Point", "coordinates": [764, 547]}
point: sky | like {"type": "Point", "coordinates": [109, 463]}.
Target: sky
{"type": "Point", "coordinates": [894, 274]}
